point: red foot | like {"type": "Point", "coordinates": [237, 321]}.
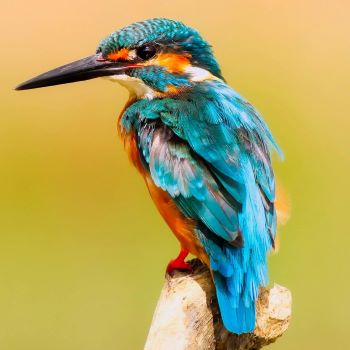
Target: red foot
{"type": "Point", "coordinates": [179, 263]}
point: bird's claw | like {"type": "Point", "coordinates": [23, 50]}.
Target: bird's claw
{"type": "Point", "coordinates": [178, 265]}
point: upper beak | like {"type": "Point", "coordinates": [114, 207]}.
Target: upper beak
{"type": "Point", "coordinates": [87, 68]}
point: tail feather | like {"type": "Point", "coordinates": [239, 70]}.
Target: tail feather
{"type": "Point", "coordinates": [237, 315]}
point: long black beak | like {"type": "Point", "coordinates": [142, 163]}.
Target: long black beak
{"type": "Point", "coordinates": [87, 68]}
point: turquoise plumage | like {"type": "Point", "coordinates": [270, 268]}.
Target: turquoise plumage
{"type": "Point", "coordinates": [209, 149]}
{"type": "Point", "coordinates": [203, 150]}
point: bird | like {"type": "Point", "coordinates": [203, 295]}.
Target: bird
{"type": "Point", "coordinates": [203, 150]}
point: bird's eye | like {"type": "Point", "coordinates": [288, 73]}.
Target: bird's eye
{"type": "Point", "coordinates": [146, 52]}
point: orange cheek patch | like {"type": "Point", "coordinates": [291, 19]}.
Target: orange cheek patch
{"type": "Point", "coordinates": [122, 54]}
{"type": "Point", "coordinates": [172, 62]}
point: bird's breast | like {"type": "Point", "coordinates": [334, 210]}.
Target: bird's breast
{"type": "Point", "coordinates": [183, 227]}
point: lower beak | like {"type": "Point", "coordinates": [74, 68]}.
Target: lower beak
{"type": "Point", "coordinates": [84, 69]}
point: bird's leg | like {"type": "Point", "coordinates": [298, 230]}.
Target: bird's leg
{"type": "Point", "coordinates": [179, 262]}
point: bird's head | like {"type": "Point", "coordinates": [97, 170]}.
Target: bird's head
{"type": "Point", "coordinates": [154, 57]}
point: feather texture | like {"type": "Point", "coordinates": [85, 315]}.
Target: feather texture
{"type": "Point", "coordinates": [210, 151]}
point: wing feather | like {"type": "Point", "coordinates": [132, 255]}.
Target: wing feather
{"type": "Point", "coordinates": [210, 150]}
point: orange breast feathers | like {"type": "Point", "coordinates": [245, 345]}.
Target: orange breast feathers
{"type": "Point", "coordinates": [182, 227]}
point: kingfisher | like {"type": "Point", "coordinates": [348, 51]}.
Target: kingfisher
{"type": "Point", "coordinates": [202, 149]}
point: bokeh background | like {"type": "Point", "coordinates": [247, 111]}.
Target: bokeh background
{"type": "Point", "coordinates": [82, 249]}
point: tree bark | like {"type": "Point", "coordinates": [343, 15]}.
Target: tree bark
{"type": "Point", "coordinates": [187, 316]}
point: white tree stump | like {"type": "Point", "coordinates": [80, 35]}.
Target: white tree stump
{"type": "Point", "coordinates": [187, 316]}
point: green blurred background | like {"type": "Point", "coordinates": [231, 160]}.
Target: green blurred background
{"type": "Point", "coordinates": [82, 249]}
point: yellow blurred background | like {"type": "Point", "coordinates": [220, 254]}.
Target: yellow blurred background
{"type": "Point", "coordinates": [82, 249]}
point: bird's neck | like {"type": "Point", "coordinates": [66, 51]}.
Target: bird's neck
{"type": "Point", "coordinates": [139, 90]}
{"type": "Point", "coordinates": [146, 103]}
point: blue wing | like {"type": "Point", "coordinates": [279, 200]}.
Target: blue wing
{"type": "Point", "coordinates": [210, 150]}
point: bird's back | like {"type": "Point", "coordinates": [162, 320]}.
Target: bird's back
{"type": "Point", "coordinates": [208, 151]}
{"type": "Point", "coordinates": [202, 149]}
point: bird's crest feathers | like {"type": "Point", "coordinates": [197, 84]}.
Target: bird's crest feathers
{"type": "Point", "coordinates": [170, 35]}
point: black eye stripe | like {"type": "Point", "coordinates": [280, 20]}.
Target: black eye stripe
{"type": "Point", "coordinates": [146, 52]}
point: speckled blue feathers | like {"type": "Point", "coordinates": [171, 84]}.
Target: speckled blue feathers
{"type": "Point", "coordinates": [210, 150]}
{"type": "Point", "coordinates": [173, 35]}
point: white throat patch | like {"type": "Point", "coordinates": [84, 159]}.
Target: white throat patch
{"type": "Point", "coordinates": [135, 86]}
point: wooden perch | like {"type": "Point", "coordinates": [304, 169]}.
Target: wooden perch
{"type": "Point", "coordinates": [187, 316]}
